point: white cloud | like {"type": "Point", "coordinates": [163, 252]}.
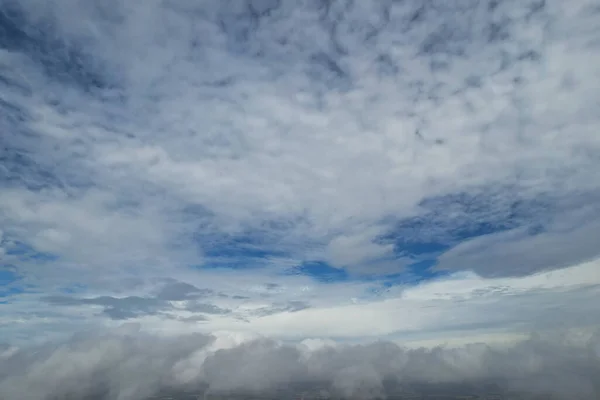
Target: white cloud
{"type": "Point", "coordinates": [260, 148]}
{"type": "Point", "coordinates": [129, 366]}
{"type": "Point", "coordinates": [355, 250]}
{"type": "Point", "coordinates": [139, 134]}
{"type": "Point", "coordinates": [469, 303]}
{"type": "Point", "coordinates": [432, 312]}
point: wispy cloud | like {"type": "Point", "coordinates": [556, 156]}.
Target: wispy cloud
{"type": "Point", "coordinates": [299, 169]}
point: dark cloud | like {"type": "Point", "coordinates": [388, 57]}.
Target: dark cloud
{"type": "Point", "coordinates": [127, 365]}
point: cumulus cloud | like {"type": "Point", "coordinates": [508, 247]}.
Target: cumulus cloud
{"type": "Point", "coordinates": [184, 165]}
{"type": "Point", "coordinates": [131, 365]}
{"type": "Point", "coordinates": [160, 131]}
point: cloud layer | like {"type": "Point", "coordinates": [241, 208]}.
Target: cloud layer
{"type": "Point", "coordinates": [127, 365]}
{"type": "Point", "coordinates": [417, 171]}
{"type": "Point", "coordinates": [178, 133]}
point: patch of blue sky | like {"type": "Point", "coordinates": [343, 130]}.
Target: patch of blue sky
{"type": "Point", "coordinates": [240, 250]}
{"type": "Point", "coordinates": [8, 292]}
{"type": "Point", "coordinates": [7, 277]}
{"type": "Point", "coordinates": [250, 249]}
{"type": "Point", "coordinates": [411, 275]}
{"type": "Point", "coordinates": [451, 219]}
{"type": "Point", "coordinates": [9, 283]}
{"type": "Point", "coordinates": [447, 221]}
{"type": "Point", "coordinates": [320, 271]}
{"type": "Point", "coordinates": [423, 239]}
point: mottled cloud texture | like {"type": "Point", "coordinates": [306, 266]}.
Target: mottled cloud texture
{"type": "Point", "coordinates": [419, 172]}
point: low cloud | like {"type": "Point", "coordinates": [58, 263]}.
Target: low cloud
{"type": "Point", "coordinates": [127, 364]}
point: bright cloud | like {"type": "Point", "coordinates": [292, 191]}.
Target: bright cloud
{"type": "Point", "coordinates": [419, 172]}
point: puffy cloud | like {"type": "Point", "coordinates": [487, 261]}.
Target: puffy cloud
{"type": "Point", "coordinates": [153, 132]}
{"type": "Point", "coordinates": [184, 164]}
{"type": "Point", "coordinates": [131, 365]}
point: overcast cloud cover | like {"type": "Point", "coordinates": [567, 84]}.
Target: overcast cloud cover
{"type": "Point", "coordinates": [340, 172]}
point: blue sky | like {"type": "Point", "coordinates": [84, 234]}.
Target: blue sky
{"type": "Point", "coordinates": [298, 170]}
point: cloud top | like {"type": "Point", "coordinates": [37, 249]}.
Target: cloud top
{"type": "Point", "coordinates": [129, 365]}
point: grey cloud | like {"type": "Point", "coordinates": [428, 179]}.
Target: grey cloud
{"type": "Point", "coordinates": [272, 367]}
{"type": "Point", "coordinates": [290, 306]}
{"type": "Point", "coordinates": [134, 366]}
{"type": "Point", "coordinates": [115, 307]}
{"type": "Point", "coordinates": [195, 318]}
{"type": "Point", "coordinates": [567, 241]}
{"type": "Point", "coordinates": [62, 300]}
{"type": "Point", "coordinates": [178, 291]}
{"type": "Point", "coordinates": [296, 305]}
{"type": "Point", "coordinates": [119, 308]}
{"type": "Point", "coordinates": [127, 312]}
{"type": "Point", "coordinates": [206, 308]}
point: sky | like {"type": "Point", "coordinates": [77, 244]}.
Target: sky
{"type": "Point", "coordinates": [419, 172]}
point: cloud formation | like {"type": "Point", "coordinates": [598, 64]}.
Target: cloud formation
{"type": "Point", "coordinates": [163, 132]}
{"type": "Point", "coordinates": [414, 171]}
{"type": "Point", "coordinates": [127, 365]}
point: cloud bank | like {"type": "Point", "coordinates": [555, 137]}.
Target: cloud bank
{"type": "Point", "coordinates": [417, 171]}
{"type": "Point", "coordinates": [127, 365]}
